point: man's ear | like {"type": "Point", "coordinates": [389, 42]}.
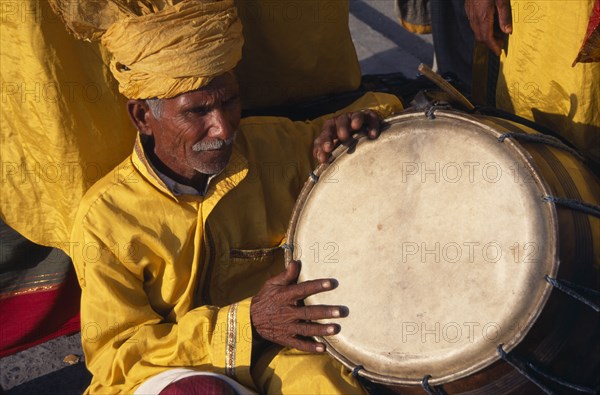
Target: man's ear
{"type": "Point", "coordinates": [139, 113]}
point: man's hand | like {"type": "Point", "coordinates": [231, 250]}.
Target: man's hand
{"type": "Point", "coordinates": [279, 316]}
{"type": "Point", "coordinates": [341, 129]}
{"type": "Point", "coordinates": [481, 19]}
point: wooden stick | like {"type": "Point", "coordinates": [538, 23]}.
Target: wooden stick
{"type": "Point", "coordinates": [445, 86]}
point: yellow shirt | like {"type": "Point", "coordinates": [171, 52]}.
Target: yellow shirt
{"type": "Point", "coordinates": [537, 80]}
{"type": "Point", "coordinates": [166, 280]}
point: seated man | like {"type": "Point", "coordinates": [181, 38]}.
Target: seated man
{"type": "Point", "coordinates": [178, 250]}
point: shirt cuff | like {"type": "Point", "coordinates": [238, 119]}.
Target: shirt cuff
{"type": "Point", "coordinates": [232, 342]}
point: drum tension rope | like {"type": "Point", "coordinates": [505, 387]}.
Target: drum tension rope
{"type": "Point", "coordinates": [429, 389]}
{"type": "Point", "coordinates": [575, 204]}
{"type": "Point", "coordinates": [542, 139]}
{"type": "Point", "coordinates": [313, 177]}
{"type": "Point", "coordinates": [527, 369]}
{"type": "Point", "coordinates": [430, 112]}
{"type": "Point", "coordinates": [367, 384]}
{"type": "Point", "coordinates": [575, 291]}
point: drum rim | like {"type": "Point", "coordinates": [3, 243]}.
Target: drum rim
{"type": "Point", "coordinates": [527, 159]}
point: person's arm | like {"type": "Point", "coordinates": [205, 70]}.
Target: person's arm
{"type": "Point", "coordinates": [126, 341]}
{"type": "Point", "coordinates": [481, 14]}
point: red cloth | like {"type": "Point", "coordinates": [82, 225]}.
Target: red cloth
{"type": "Point", "coordinates": [33, 318]}
{"type": "Point", "coordinates": [590, 50]}
{"type": "Point", "coordinates": [198, 385]}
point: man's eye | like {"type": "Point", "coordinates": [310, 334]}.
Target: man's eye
{"type": "Point", "coordinates": [198, 110]}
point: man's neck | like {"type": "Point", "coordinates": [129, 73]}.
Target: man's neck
{"type": "Point", "coordinates": [194, 179]}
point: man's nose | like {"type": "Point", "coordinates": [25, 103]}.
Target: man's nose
{"type": "Point", "coordinates": [221, 126]}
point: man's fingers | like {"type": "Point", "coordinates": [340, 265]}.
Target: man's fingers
{"type": "Point", "coordinates": [367, 119]}
{"type": "Point", "coordinates": [495, 45]}
{"type": "Point", "coordinates": [320, 312]}
{"type": "Point", "coordinates": [357, 120]}
{"type": "Point", "coordinates": [504, 15]}
{"type": "Point", "coordinates": [309, 329]}
{"type": "Point", "coordinates": [306, 345]}
{"type": "Point", "coordinates": [288, 276]}
{"type": "Point", "coordinates": [373, 124]}
{"type": "Point", "coordinates": [343, 125]}
{"type": "Point", "coordinates": [304, 289]}
{"type": "Point", "coordinates": [325, 143]}
{"type": "Point", "coordinates": [291, 272]}
{"type": "Point", "coordinates": [481, 18]}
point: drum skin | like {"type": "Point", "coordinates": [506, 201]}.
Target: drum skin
{"type": "Point", "coordinates": [557, 332]}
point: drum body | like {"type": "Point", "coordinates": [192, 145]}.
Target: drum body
{"type": "Point", "coordinates": [441, 234]}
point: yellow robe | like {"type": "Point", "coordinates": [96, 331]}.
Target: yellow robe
{"type": "Point", "coordinates": [536, 79]}
{"type": "Point", "coordinates": [166, 280]}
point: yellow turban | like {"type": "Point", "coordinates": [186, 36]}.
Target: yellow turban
{"type": "Point", "coordinates": [160, 48]}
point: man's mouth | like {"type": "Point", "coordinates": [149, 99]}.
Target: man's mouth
{"type": "Point", "coordinates": [212, 145]}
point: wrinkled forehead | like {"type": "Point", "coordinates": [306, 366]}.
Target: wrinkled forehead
{"type": "Point", "coordinates": [223, 87]}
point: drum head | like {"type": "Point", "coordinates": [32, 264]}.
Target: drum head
{"type": "Point", "coordinates": [440, 239]}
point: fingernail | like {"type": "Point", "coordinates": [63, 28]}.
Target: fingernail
{"type": "Point", "coordinates": [331, 330]}
{"type": "Point", "coordinates": [335, 313]}
{"type": "Point", "coordinates": [320, 348]}
{"type": "Point", "coordinates": [326, 284]}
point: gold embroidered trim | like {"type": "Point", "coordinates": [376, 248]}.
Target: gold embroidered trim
{"type": "Point", "coordinates": [29, 290]}
{"type": "Point", "coordinates": [252, 254]}
{"type": "Point", "coordinates": [231, 341]}
{"type": "Point", "coordinates": [28, 281]}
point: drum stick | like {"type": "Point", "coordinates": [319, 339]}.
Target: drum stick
{"type": "Point", "coordinates": [445, 86]}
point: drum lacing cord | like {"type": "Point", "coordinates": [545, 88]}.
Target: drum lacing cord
{"type": "Point", "coordinates": [313, 177]}
{"type": "Point", "coordinates": [527, 369]}
{"type": "Point", "coordinates": [575, 205]}
{"type": "Point", "coordinates": [367, 385]}
{"type": "Point", "coordinates": [430, 112]}
{"type": "Point", "coordinates": [429, 389]}
{"type": "Point", "coordinates": [287, 246]}
{"type": "Point", "coordinates": [543, 139]}
{"type": "Point", "coordinates": [575, 291]}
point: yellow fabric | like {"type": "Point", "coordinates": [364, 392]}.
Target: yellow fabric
{"type": "Point", "coordinates": [161, 50]}
{"type": "Point", "coordinates": [295, 50]}
{"type": "Point", "coordinates": [62, 122]}
{"type": "Point", "coordinates": [536, 78]}
{"type": "Point", "coordinates": [176, 50]}
{"type": "Point", "coordinates": [161, 275]}
{"type": "Point", "coordinates": [414, 28]}
{"type": "Point", "coordinates": [320, 374]}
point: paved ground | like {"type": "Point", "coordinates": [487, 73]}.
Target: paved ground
{"type": "Point", "coordinates": [382, 47]}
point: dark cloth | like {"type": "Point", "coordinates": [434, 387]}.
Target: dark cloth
{"type": "Point", "coordinates": [453, 39]}
{"type": "Point", "coordinates": [198, 385]}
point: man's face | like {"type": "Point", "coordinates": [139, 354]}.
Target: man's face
{"type": "Point", "coordinates": [195, 130]}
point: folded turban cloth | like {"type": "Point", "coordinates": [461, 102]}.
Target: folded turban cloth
{"type": "Point", "coordinates": [160, 48]}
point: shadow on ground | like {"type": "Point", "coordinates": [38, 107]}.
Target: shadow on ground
{"type": "Point", "coordinates": [71, 380]}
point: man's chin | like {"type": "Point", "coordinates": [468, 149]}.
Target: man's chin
{"type": "Point", "coordinates": [213, 162]}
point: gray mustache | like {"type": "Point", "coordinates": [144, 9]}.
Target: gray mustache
{"type": "Point", "coordinates": [212, 144]}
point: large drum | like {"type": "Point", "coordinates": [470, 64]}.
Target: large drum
{"type": "Point", "coordinates": [466, 249]}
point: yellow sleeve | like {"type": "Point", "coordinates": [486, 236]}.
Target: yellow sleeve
{"type": "Point", "coordinates": [126, 342]}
